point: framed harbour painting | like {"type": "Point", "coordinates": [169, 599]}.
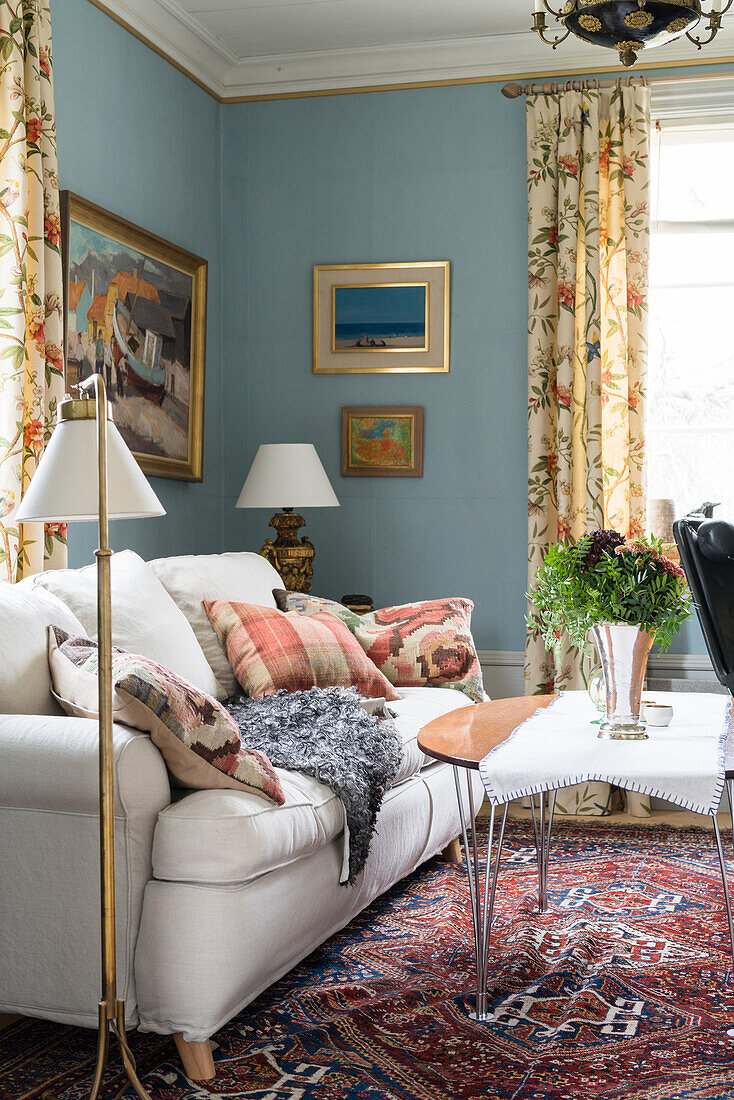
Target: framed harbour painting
{"type": "Point", "coordinates": [382, 442]}
{"type": "Point", "coordinates": [381, 318]}
{"type": "Point", "coordinates": [135, 311]}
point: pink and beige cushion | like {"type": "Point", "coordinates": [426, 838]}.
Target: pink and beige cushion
{"type": "Point", "coordinates": [199, 741]}
{"type": "Point", "coordinates": [427, 644]}
{"type": "Point", "coordinates": [271, 650]}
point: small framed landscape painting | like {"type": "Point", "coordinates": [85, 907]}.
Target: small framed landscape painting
{"type": "Point", "coordinates": [135, 312]}
{"type": "Point", "coordinates": [379, 318]}
{"type": "Point", "coordinates": [382, 442]}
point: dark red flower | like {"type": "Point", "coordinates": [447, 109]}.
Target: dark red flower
{"type": "Point", "coordinates": [596, 544]}
{"type": "Point", "coordinates": [34, 129]}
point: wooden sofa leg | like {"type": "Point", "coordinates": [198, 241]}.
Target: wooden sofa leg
{"type": "Point", "coordinates": [197, 1059]}
{"type": "Point", "coordinates": [452, 852]}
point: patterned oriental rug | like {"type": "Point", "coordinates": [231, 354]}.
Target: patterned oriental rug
{"type": "Point", "coordinates": [623, 989]}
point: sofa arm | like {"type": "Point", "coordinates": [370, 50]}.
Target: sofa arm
{"type": "Point", "coordinates": [49, 861]}
{"type": "Point", "coordinates": [50, 762]}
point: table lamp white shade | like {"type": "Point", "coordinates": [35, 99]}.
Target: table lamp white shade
{"type": "Point", "coordinates": [287, 475]}
{"type": "Point", "coordinates": [65, 485]}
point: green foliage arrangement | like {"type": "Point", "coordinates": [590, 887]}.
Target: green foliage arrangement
{"type": "Point", "coordinates": [603, 578]}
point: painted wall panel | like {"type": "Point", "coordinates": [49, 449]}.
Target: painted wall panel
{"type": "Point", "coordinates": [138, 138]}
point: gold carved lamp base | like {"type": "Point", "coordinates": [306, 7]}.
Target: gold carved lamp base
{"type": "Point", "coordinates": [291, 556]}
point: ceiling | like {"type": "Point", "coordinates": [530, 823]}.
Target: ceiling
{"type": "Point", "coordinates": [258, 48]}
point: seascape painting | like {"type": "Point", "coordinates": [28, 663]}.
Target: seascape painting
{"type": "Point", "coordinates": [133, 315]}
{"type": "Point", "coordinates": [380, 317]}
{"type": "Point", "coordinates": [382, 442]}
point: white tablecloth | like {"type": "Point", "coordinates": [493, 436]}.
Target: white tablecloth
{"type": "Point", "coordinates": [558, 746]}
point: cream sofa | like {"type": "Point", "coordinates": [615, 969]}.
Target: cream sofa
{"type": "Point", "coordinates": [219, 893]}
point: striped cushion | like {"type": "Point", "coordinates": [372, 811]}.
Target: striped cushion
{"type": "Point", "coordinates": [271, 650]}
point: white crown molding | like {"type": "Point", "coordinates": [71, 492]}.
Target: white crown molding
{"type": "Point", "coordinates": [470, 59]}
{"type": "Point", "coordinates": [171, 32]}
{"type": "Point", "coordinates": [167, 28]}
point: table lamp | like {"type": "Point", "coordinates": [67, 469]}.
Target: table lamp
{"type": "Point", "coordinates": [87, 473]}
{"type": "Point", "coordinates": [288, 476]}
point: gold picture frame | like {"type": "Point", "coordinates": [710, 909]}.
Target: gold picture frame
{"type": "Point", "coordinates": [135, 309]}
{"type": "Point", "coordinates": [360, 327]}
{"type": "Point", "coordinates": [382, 441]}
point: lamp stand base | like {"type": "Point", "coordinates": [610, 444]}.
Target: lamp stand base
{"type": "Point", "coordinates": [116, 1027]}
{"type": "Point", "coordinates": [291, 556]}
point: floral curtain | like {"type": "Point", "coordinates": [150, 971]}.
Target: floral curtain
{"type": "Point", "coordinates": [588, 240]}
{"type": "Point", "coordinates": [31, 323]}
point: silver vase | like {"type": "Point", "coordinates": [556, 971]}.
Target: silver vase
{"type": "Point", "coordinates": [623, 651]}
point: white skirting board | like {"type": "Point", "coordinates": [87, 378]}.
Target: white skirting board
{"type": "Point", "coordinates": [504, 678]}
{"type": "Point", "coordinates": [503, 669]}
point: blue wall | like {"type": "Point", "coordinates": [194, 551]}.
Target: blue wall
{"type": "Point", "coordinates": [266, 190]}
{"type": "Point", "coordinates": [137, 137]}
{"type": "Point", "coordinates": [418, 175]}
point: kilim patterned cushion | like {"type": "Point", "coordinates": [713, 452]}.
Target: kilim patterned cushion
{"type": "Point", "coordinates": [426, 644]}
{"type": "Point", "coordinates": [199, 741]}
{"type": "Point", "coordinates": [271, 650]}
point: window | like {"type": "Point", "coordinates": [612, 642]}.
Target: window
{"type": "Point", "coordinates": [690, 428]}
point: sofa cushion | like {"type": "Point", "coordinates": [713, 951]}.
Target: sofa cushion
{"type": "Point", "coordinates": [427, 644]}
{"type": "Point", "coordinates": [199, 741]}
{"type": "Point", "coordinates": [415, 708]}
{"type": "Point", "coordinates": [145, 619]}
{"type": "Point", "coordinates": [228, 837]}
{"type": "Point", "coordinates": [193, 578]}
{"type": "Point", "coordinates": [25, 615]}
{"type": "Point", "coordinates": [272, 650]}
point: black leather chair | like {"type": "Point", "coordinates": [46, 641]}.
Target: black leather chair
{"type": "Point", "coordinates": [707, 555]}
{"type": "Point", "coordinates": [706, 549]}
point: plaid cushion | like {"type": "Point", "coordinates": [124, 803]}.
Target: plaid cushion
{"type": "Point", "coordinates": [426, 644]}
{"type": "Point", "coordinates": [271, 651]}
{"type": "Point", "coordinates": [199, 741]}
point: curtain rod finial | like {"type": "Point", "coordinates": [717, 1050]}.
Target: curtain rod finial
{"type": "Point", "coordinates": [512, 91]}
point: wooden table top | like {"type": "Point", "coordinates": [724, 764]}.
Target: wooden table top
{"type": "Point", "coordinates": [465, 736]}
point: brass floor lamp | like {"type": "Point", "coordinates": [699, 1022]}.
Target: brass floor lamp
{"type": "Point", "coordinates": [87, 473]}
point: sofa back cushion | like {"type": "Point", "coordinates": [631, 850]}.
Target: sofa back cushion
{"type": "Point", "coordinates": [25, 615]}
{"type": "Point", "coordinates": [145, 619]}
{"type": "Point", "coordinates": [238, 577]}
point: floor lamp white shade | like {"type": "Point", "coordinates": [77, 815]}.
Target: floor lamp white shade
{"type": "Point", "coordinates": [65, 486]}
{"type": "Point", "coordinates": [287, 475]}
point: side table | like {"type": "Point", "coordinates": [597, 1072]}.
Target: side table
{"type": "Point", "coordinates": [463, 738]}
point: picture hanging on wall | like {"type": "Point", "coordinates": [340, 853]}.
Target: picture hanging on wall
{"type": "Point", "coordinates": [135, 311]}
{"type": "Point", "coordinates": [381, 318]}
{"type": "Point", "coordinates": [382, 442]}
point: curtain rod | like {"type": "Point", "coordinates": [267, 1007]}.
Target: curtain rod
{"type": "Point", "coordinates": [514, 91]}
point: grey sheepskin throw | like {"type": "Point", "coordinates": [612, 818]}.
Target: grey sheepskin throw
{"type": "Point", "coordinates": [325, 733]}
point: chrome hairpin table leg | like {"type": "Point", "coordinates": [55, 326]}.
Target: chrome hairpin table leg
{"type": "Point", "coordinates": [730, 795]}
{"type": "Point", "coordinates": [724, 882]}
{"type": "Point", "coordinates": [481, 899]}
{"type": "Point", "coordinates": [542, 831]}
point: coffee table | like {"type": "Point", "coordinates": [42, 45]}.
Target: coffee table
{"type": "Point", "coordinates": [463, 738]}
